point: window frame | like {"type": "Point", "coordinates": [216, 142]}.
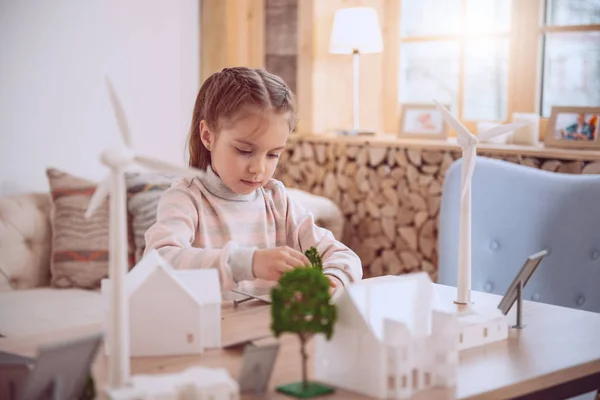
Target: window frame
{"type": "Point", "coordinates": [462, 39]}
{"type": "Point", "coordinates": [391, 112]}
{"type": "Point", "coordinates": [543, 31]}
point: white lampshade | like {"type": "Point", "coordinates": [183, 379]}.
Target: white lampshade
{"type": "Point", "coordinates": [356, 28]}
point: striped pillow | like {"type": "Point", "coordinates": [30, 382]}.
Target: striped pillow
{"type": "Point", "coordinates": [79, 255]}
{"type": "Point", "coordinates": [144, 191]}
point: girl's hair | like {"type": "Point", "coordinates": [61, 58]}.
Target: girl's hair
{"type": "Point", "coordinates": [226, 94]}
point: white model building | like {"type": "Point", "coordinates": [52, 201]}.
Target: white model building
{"type": "Point", "coordinates": [389, 341]}
{"type": "Point", "coordinates": [197, 383]}
{"type": "Point", "coordinates": [480, 327]}
{"type": "Point", "coordinates": [171, 312]}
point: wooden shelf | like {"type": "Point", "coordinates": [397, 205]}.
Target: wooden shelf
{"type": "Point", "coordinates": [538, 151]}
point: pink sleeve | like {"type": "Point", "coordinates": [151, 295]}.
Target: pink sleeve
{"type": "Point", "coordinates": [302, 234]}
{"type": "Point", "coordinates": [174, 232]}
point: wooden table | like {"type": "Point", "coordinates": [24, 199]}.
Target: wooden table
{"type": "Point", "coordinates": [556, 354]}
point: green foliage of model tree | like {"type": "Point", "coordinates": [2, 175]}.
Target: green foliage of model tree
{"type": "Point", "coordinates": [301, 305]}
{"type": "Point", "coordinates": [314, 257]}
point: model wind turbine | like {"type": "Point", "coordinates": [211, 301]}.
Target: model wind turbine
{"type": "Point", "coordinates": [117, 160]}
{"type": "Point", "coordinates": [468, 142]}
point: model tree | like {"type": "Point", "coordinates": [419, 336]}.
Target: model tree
{"type": "Point", "coordinates": [301, 305]}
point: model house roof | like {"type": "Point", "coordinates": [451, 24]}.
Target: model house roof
{"type": "Point", "coordinates": [142, 270]}
{"type": "Point", "coordinates": [407, 299]}
{"type": "Point", "coordinates": [202, 285]}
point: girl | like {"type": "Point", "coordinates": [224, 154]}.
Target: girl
{"type": "Point", "coordinates": [236, 218]}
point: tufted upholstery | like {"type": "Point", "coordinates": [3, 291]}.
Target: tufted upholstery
{"type": "Point", "coordinates": [517, 211]}
{"type": "Point", "coordinates": [25, 240]}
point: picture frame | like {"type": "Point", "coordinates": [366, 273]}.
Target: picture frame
{"type": "Point", "coordinates": [422, 121]}
{"type": "Point", "coordinates": [573, 127]}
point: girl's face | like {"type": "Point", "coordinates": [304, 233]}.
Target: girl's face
{"type": "Point", "coordinates": [245, 153]}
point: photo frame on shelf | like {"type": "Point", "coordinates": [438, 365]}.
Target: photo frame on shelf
{"type": "Point", "coordinates": [573, 127]}
{"type": "Point", "coordinates": [422, 121]}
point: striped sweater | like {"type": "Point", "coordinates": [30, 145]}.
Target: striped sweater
{"type": "Point", "coordinates": [203, 224]}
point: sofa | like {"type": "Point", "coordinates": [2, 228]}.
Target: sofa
{"type": "Point", "coordinates": [30, 304]}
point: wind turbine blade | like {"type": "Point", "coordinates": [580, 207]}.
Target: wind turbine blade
{"type": "Point", "coordinates": [98, 197]}
{"type": "Point", "coordinates": [500, 130]}
{"type": "Point", "coordinates": [469, 156]}
{"type": "Point", "coordinates": [167, 168]}
{"type": "Point", "coordinates": [455, 124]}
{"type": "Point", "coordinates": [119, 113]}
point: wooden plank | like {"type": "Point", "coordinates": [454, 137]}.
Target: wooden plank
{"type": "Point", "coordinates": [232, 34]}
{"type": "Point", "coordinates": [391, 65]}
{"type": "Point", "coordinates": [304, 78]}
{"type": "Point", "coordinates": [212, 36]}
{"type": "Point", "coordinates": [391, 140]}
{"type": "Point", "coordinates": [525, 58]}
{"type": "Point", "coordinates": [256, 34]}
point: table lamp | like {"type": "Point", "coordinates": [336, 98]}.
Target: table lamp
{"type": "Point", "coordinates": [356, 31]}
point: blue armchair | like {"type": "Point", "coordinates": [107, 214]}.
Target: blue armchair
{"type": "Point", "coordinates": [517, 211]}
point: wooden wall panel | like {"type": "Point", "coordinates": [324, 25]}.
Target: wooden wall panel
{"type": "Point", "coordinates": [281, 35]}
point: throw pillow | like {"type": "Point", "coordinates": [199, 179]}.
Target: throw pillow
{"type": "Point", "coordinates": [144, 191]}
{"type": "Point", "coordinates": [80, 246]}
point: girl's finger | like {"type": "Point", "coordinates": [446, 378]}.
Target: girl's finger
{"type": "Point", "coordinates": [295, 261]}
{"type": "Point", "coordinates": [283, 268]}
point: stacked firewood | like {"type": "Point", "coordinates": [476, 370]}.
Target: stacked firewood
{"type": "Point", "coordinates": [390, 196]}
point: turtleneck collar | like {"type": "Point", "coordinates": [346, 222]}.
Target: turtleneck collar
{"type": "Point", "coordinates": [215, 185]}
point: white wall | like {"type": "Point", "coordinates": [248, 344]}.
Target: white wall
{"type": "Point", "coordinates": [54, 108]}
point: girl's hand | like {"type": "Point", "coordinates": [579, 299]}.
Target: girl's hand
{"type": "Point", "coordinates": [270, 264]}
{"type": "Point", "coordinates": [334, 284]}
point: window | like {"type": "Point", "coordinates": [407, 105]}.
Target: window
{"type": "Point", "coordinates": [456, 51]}
{"type": "Point", "coordinates": [391, 383]}
{"type": "Point", "coordinates": [571, 54]}
{"type": "Point", "coordinates": [415, 379]}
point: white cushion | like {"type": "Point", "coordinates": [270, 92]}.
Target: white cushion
{"type": "Point", "coordinates": [34, 311]}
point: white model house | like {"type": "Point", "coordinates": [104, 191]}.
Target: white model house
{"type": "Point", "coordinates": [481, 327]}
{"type": "Point", "coordinates": [388, 341]}
{"type": "Point", "coordinates": [197, 383]}
{"type": "Point", "coordinates": [171, 312]}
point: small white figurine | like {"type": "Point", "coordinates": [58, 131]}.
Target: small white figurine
{"type": "Point", "coordinates": [389, 341]}
{"type": "Point", "coordinates": [197, 383]}
{"type": "Point", "coordinates": [171, 312]}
